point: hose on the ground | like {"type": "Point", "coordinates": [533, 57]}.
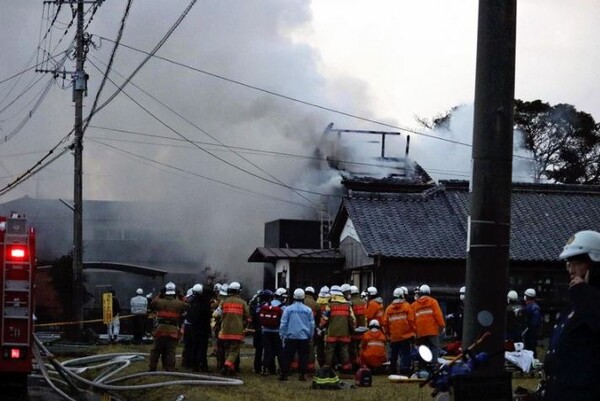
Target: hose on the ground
{"type": "Point", "coordinates": [112, 364]}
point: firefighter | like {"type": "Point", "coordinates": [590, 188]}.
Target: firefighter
{"type": "Point", "coordinates": [572, 364]}
{"type": "Point", "coordinates": [372, 347]}
{"type": "Point", "coordinates": [399, 325]}
{"type": "Point", "coordinates": [429, 321]}
{"type": "Point", "coordinates": [198, 316]}
{"type": "Point", "coordinates": [322, 301]}
{"type": "Point", "coordinates": [270, 319]}
{"type": "Point", "coordinates": [264, 297]}
{"type": "Point", "coordinates": [139, 309]}
{"type": "Point", "coordinates": [455, 320]}
{"type": "Point", "coordinates": [235, 317]}
{"type": "Point", "coordinates": [374, 305]}
{"type": "Point", "coordinates": [533, 321]}
{"type": "Point", "coordinates": [514, 317]}
{"type": "Point", "coordinates": [215, 324]}
{"type": "Point", "coordinates": [311, 302]}
{"type": "Point", "coordinates": [359, 306]}
{"type": "Point", "coordinates": [169, 310]}
{"type": "Point", "coordinates": [339, 321]}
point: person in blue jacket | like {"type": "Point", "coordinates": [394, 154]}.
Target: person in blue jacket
{"type": "Point", "coordinates": [572, 365]}
{"type": "Point", "coordinates": [296, 329]}
{"type": "Point", "coordinates": [533, 321]}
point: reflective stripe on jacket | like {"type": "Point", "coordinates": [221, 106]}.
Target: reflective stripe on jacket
{"type": "Point", "coordinates": [372, 349]}
{"type": "Point", "coordinates": [339, 320]}
{"type": "Point", "coordinates": [168, 316]}
{"type": "Point", "coordinates": [235, 315]}
{"type": "Point", "coordinates": [399, 321]}
{"type": "Point", "coordinates": [428, 317]}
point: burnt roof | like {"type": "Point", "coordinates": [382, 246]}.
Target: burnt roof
{"type": "Point", "coordinates": [432, 224]}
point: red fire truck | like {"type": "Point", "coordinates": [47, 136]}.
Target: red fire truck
{"type": "Point", "coordinates": [17, 242]}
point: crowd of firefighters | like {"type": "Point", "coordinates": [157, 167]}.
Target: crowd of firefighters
{"type": "Point", "coordinates": [339, 327]}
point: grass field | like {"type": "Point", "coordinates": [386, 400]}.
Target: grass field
{"type": "Point", "coordinates": [269, 388]}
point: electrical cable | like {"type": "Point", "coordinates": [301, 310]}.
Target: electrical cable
{"type": "Point", "coordinates": [203, 176]}
{"type": "Point", "coordinates": [144, 61]}
{"type": "Point", "coordinates": [203, 149]}
{"type": "Point", "coordinates": [214, 138]}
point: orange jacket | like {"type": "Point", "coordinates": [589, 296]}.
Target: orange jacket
{"type": "Point", "coordinates": [372, 349]}
{"type": "Point", "coordinates": [399, 321]}
{"type": "Point", "coordinates": [374, 310]}
{"type": "Point", "coordinates": [428, 316]}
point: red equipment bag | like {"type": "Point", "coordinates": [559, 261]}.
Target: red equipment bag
{"type": "Point", "coordinates": [269, 316]}
{"type": "Point", "coordinates": [363, 377]}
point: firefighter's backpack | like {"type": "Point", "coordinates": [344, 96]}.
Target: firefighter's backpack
{"type": "Point", "coordinates": [326, 379]}
{"type": "Point", "coordinates": [270, 316]}
{"type": "Point", "coordinates": [363, 377]}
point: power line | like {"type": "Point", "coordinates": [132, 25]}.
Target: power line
{"type": "Point", "coordinates": [201, 176]}
{"type": "Point", "coordinates": [203, 149]}
{"type": "Point", "coordinates": [214, 138]}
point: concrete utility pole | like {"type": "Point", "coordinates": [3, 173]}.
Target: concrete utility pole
{"type": "Point", "coordinates": [79, 90]}
{"type": "Point", "coordinates": [489, 222]}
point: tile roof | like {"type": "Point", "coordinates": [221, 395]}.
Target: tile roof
{"type": "Point", "coordinates": [432, 224]}
{"type": "Point", "coordinates": [273, 254]}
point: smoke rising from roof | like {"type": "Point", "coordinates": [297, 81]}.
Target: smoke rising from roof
{"type": "Point", "coordinates": [249, 41]}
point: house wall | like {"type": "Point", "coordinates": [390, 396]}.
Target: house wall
{"type": "Point", "coordinates": [316, 274]}
{"type": "Point", "coordinates": [354, 254]}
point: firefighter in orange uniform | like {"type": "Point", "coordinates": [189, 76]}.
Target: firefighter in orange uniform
{"type": "Point", "coordinates": [374, 306]}
{"type": "Point", "coordinates": [429, 320]}
{"type": "Point", "coordinates": [359, 307]}
{"type": "Point", "coordinates": [399, 325]}
{"type": "Point", "coordinates": [322, 302]}
{"type": "Point", "coordinates": [169, 310]}
{"type": "Point", "coordinates": [372, 347]}
{"type": "Point", "coordinates": [340, 322]}
{"type": "Point", "coordinates": [235, 317]}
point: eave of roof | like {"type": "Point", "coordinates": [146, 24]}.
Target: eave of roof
{"type": "Point", "coordinates": [269, 255]}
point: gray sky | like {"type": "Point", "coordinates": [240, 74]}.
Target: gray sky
{"type": "Point", "coordinates": [385, 60]}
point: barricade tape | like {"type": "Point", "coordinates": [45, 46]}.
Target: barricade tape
{"type": "Point", "coordinates": [77, 322]}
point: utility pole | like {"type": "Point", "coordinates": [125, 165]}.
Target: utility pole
{"type": "Point", "coordinates": [79, 90]}
{"type": "Point", "coordinates": [489, 221]}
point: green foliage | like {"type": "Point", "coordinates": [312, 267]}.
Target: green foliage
{"type": "Point", "coordinates": [564, 142]}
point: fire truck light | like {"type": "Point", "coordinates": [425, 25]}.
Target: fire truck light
{"type": "Point", "coordinates": [17, 253]}
{"type": "Point", "coordinates": [15, 353]}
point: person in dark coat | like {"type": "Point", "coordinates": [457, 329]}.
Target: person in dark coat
{"type": "Point", "coordinates": [198, 315]}
{"type": "Point", "coordinates": [533, 321]}
{"type": "Point", "coordinates": [572, 365]}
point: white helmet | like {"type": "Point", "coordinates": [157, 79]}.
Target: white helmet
{"type": "Point", "coordinates": [374, 323]}
{"type": "Point", "coordinates": [583, 242]}
{"type": "Point", "coordinates": [398, 293]}
{"type": "Point", "coordinates": [280, 292]}
{"type": "Point", "coordinates": [354, 290]}
{"type": "Point", "coordinates": [139, 291]}
{"type": "Point", "coordinates": [234, 287]}
{"type": "Point", "coordinates": [462, 292]}
{"type": "Point", "coordinates": [336, 290]}
{"type": "Point", "coordinates": [170, 288]}
{"type": "Point", "coordinates": [372, 291]}
{"type": "Point", "coordinates": [345, 287]}
{"type": "Point", "coordinates": [403, 288]}
{"type": "Point", "coordinates": [189, 293]}
{"type": "Point", "coordinates": [298, 294]}
{"type": "Point", "coordinates": [530, 293]}
{"type": "Point", "coordinates": [324, 291]}
{"type": "Point", "coordinates": [223, 289]}
{"type": "Point", "coordinates": [197, 288]}
{"type": "Point", "coordinates": [424, 289]}
{"type": "Point", "coordinates": [217, 287]}
{"type": "Point", "coordinates": [309, 290]}
{"type": "Point", "coordinates": [512, 296]}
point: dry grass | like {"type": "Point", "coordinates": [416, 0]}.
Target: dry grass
{"type": "Point", "coordinates": [269, 388]}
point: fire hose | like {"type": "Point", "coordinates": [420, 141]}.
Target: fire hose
{"type": "Point", "coordinates": [111, 365]}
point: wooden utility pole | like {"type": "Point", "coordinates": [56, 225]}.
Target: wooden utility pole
{"type": "Point", "coordinates": [489, 220]}
{"type": "Point", "coordinates": [79, 90]}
